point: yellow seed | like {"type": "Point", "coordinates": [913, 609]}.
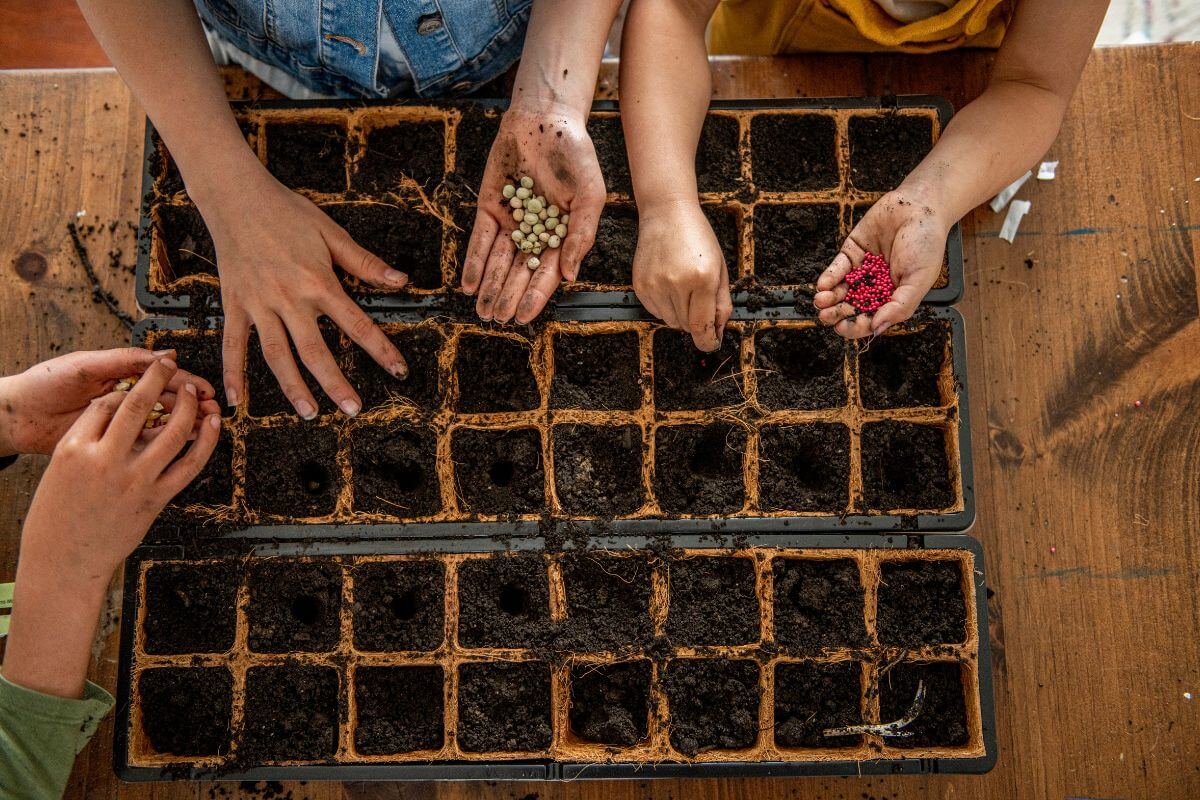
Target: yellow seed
{"type": "Point", "coordinates": [509, 190]}
{"type": "Point", "coordinates": [526, 182]}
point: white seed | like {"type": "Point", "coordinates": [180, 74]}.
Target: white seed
{"type": "Point", "coordinates": [164, 418]}
{"type": "Point", "coordinates": [121, 387]}
{"type": "Point", "coordinates": [149, 424]}
{"type": "Point", "coordinates": [523, 193]}
{"type": "Point", "coordinates": [527, 245]}
{"type": "Point", "coordinates": [158, 406]}
{"type": "Point", "coordinates": [564, 219]}
{"type": "Point", "coordinates": [538, 228]}
{"type": "Point", "coordinates": [531, 218]}
{"type": "Point", "coordinates": [541, 199]}
{"type": "Point", "coordinates": [537, 249]}
{"type": "Point", "coordinates": [518, 214]}
{"type": "Point", "coordinates": [552, 211]}
{"type": "Point", "coordinates": [561, 229]}
{"type": "Point", "coordinates": [543, 236]}
{"type": "Point", "coordinates": [517, 236]}
{"type": "Point", "coordinates": [526, 228]}
{"type": "Point", "coordinates": [551, 223]}
{"type": "Point", "coordinates": [534, 205]}
{"type": "Point", "coordinates": [514, 203]}
{"type": "Point", "coordinates": [526, 182]}
{"type": "Point", "coordinates": [542, 215]}
{"type": "Point", "coordinates": [554, 241]}
{"type": "Point", "coordinates": [509, 190]}
{"type": "Point", "coordinates": [533, 263]}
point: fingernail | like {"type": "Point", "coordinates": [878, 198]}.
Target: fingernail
{"type": "Point", "coordinates": [168, 363]}
{"type": "Point", "coordinates": [349, 408]}
{"type": "Point", "coordinates": [190, 388]}
{"type": "Point", "coordinates": [305, 409]}
{"type": "Point", "coordinates": [231, 396]}
{"type": "Point", "coordinates": [162, 353]}
{"type": "Point", "coordinates": [214, 420]}
{"type": "Point", "coordinates": [395, 277]}
{"type": "Point", "coordinates": [399, 370]}
{"type": "Point", "coordinates": [880, 329]}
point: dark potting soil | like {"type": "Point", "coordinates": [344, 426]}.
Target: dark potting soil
{"type": "Point", "coordinates": [200, 354]}
{"type": "Point", "coordinates": [724, 222]}
{"type": "Point", "coordinates": [818, 604]}
{"type": "Point", "coordinates": [698, 469]}
{"type": "Point", "coordinates": [804, 467]}
{"type": "Point", "coordinates": [800, 368]}
{"type": "Point", "coordinates": [292, 471]}
{"type": "Point", "coordinates": [902, 370]}
{"type": "Point", "coordinates": [793, 244]}
{"type": "Point", "coordinates": [943, 718]}
{"type": "Point", "coordinates": [494, 374]}
{"type": "Point", "coordinates": [308, 156]}
{"type": "Point", "coordinates": [266, 396]}
{"type": "Point", "coordinates": [292, 713]}
{"type": "Point", "coordinates": [504, 707]}
{"type": "Point", "coordinates": [610, 261]}
{"type": "Point", "coordinates": [498, 471]}
{"type": "Point", "coordinates": [214, 485]}
{"type": "Point", "coordinates": [404, 150]}
{"type": "Point", "coordinates": [377, 387]}
{"type": "Point", "coordinates": [190, 608]}
{"type": "Point", "coordinates": [609, 141]}
{"type": "Point", "coordinates": [186, 711]}
{"type": "Point", "coordinates": [399, 605]}
{"type": "Point", "coordinates": [811, 697]}
{"type": "Point", "coordinates": [597, 469]}
{"type": "Point", "coordinates": [713, 602]}
{"type": "Point", "coordinates": [713, 704]}
{"type": "Point", "coordinates": [905, 466]}
{"type": "Point", "coordinates": [610, 703]}
{"type": "Point", "coordinates": [922, 603]}
{"type": "Point", "coordinates": [294, 606]}
{"type": "Point", "coordinates": [167, 178]}
{"type": "Point", "coordinates": [189, 245]}
{"type": "Point", "coordinates": [718, 164]}
{"type": "Point", "coordinates": [689, 379]}
{"type": "Point", "coordinates": [608, 600]}
{"type": "Point", "coordinates": [400, 709]}
{"type": "Point", "coordinates": [884, 149]}
{"type": "Point", "coordinates": [503, 601]}
{"type": "Point", "coordinates": [405, 238]}
{"type": "Point", "coordinates": [794, 152]}
{"type": "Point", "coordinates": [477, 131]}
{"type": "Point", "coordinates": [394, 470]}
{"type": "Point", "coordinates": [599, 371]}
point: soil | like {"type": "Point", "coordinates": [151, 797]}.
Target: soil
{"type": "Point", "coordinates": [903, 370]}
{"type": "Point", "coordinates": [189, 245]}
{"type": "Point", "coordinates": [186, 711]}
{"type": "Point", "coordinates": [713, 704]}
{"type": "Point", "coordinates": [400, 709]}
{"type": "Point", "coordinates": [292, 470]}
{"type": "Point", "coordinates": [698, 469]}
{"type": "Point", "coordinates": [377, 387]}
{"type": "Point", "coordinates": [794, 244]}
{"type": "Point", "coordinates": [905, 466]}
{"type": "Point", "coordinates": [804, 467]}
{"type": "Point", "coordinates": [811, 697]}
{"type": "Point", "coordinates": [718, 166]}
{"type": "Point", "coordinates": [294, 606]}
{"type": "Point", "coordinates": [794, 152]}
{"type": "Point", "coordinates": [610, 261]}
{"type": "Point", "coordinates": [713, 602]}
{"type": "Point", "coordinates": [476, 132]}
{"type": "Point", "coordinates": [167, 178]}
{"type": "Point", "coordinates": [503, 602]}
{"type": "Point", "coordinates": [405, 150]}
{"type": "Point", "coordinates": [922, 603]}
{"type": "Point", "coordinates": [190, 608]}
{"type": "Point", "coordinates": [609, 141]}
{"type": "Point", "coordinates": [596, 371]}
{"type": "Point", "coordinates": [200, 354]}
{"type": "Point", "coordinates": [724, 222]}
{"type": "Point", "coordinates": [608, 599]}
{"type": "Point", "coordinates": [596, 469]}
{"type": "Point", "coordinates": [394, 470]}
{"type": "Point", "coordinates": [214, 485]}
{"type": "Point", "coordinates": [884, 149]}
{"type": "Point", "coordinates": [818, 604]}
{"type": "Point", "coordinates": [405, 238]}
{"type": "Point", "coordinates": [499, 471]}
{"type": "Point", "coordinates": [689, 379]}
{"type": "Point", "coordinates": [943, 718]}
{"type": "Point", "coordinates": [610, 703]}
{"type": "Point", "coordinates": [399, 605]}
{"type": "Point", "coordinates": [308, 156]}
{"type": "Point", "coordinates": [291, 714]}
{"type": "Point", "coordinates": [495, 374]}
{"type": "Point", "coordinates": [266, 398]}
{"type": "Point", "coordinates": [504, 707]}
{"type": "Point", "coordinates": [800, 368]}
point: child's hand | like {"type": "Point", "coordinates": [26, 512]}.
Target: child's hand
{"type": "Point", "coordinates": [679, 272]}
{"type": "Point", "coordinates": [911, 236]}
{"type": "Point", "coordinates": [39, 405]}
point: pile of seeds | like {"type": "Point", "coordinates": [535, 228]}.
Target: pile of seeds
{"type": "Point", "coordinates": [158, 416]}
{"type": "Point", "coordinates": [870, 286]}
{"type": "Point", "coordinates": [539, 224]}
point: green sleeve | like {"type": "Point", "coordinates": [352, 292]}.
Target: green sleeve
{"type": "Point", "coordinates": [40, 735]}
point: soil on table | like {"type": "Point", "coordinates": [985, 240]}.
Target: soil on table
{"type": "Point", "coordinates": [200, 354]}
{"type": "Point", "coordinates": [597, 469]}
{"type": "Point", "coordinates": [186, 711]}
{"type": "Point", "coordinates": [266, 397]}
{"type": "Point", "coordinates": [811, 697]}
{"type": "Point", "coordinates": [724, 222]}
{"type": "Point", "coordinates": [292, 470]}
{"type": "Point", "coordinates": [793, 244]}
{"type": "Point", "coordinates": [800, 368]}
{"type": "Point", "coordinates": [943, 718]}
{"type": "Point", "coordinates": [922, 603]}
{"type": "Point", "coordinates": [608, 601]}
{"type": "Point", "coordinates": [818, 604]}
{"type": "Point", "coordinates": [378, 388]}
{"type": "Point", "coordinates": [596, 371]}
{"type": "Point", "coordinates": [404, 150]}
{"type": "Point", "coordinates": [400, 709]}
{"type": "Point", "coordinates": [399, 606]}
{"type": "Point", "coordinates": [498, 472]}
{"type": "Point", "coordinates": [904, 466]}
{"type": "Point", "coordinates": [292, 714]}
{"type": "Point", "coordinates": [713, 704]}
{"type": "Point", "coordinates": [405, 238]}
{"type": "Point", "coordinates": [504, 707]}
{"type": "Point", "coordinates": [503, 602]}
{"type": "Point", "coordinates": [610, 703]}
{"type": "Point", "coordinates": [190, 608]}
{"type": "Point", "coordinates": [214, 485]}
{"type": "Point", "coordinates": [689, 379]}
{"type": "Point", "coordinates": [794, 152]}
{"type": "Point", "coordinates": [495, 374]}
{"type": "Point", "coordinates": [718, 166]}
{"type": "Point", "coordinates": [609, 140]}
{"type": "Point", "coordinates": [307, 156]}
{"type": "Point", "coordinates": [394, 470]}
{"type": "Point", "coordinates": [189, 245]}
{"type": "Point", "coordinates": [294, 606]}
{"type": "Point", "coordinates": [610, 261]}
{"type": "Point", "coordinates": [884, 149]}
{"type": "Point", "coordinates": [804, 467]}
{"type": "Point", "coordinates": [713, 602]}
{"type": "Point", "coordinates": [477, 131]}
{"type": "Point", "coordinates": [698, 469]}
{"type": "Point", "coordinates": [902, 371]}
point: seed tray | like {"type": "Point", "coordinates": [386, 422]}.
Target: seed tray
{"type": "Point", "coordinates": [888, 611]}
{"type": "Point", "coordinates": [783, 183]}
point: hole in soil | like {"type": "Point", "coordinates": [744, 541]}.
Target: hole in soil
{"type": "Point", "coordinates": [306, 609]}
{"type": "Point", "coordinates": [514, 600]}
{"type": "Point", "coordinates": [499, 471]}
{"type": "Point", "coordinates": [394, 470]}
{"type": "Point", "coordinates": [502, 472]}
{"type": "Point", "coordinates": [698, 468]}
{"type": "Point", "coordinates": [399, 605]}
{"type": "Point", "coordinates": [804, 467]}
{"type": "Point", "coordinates": [407, 475]}
{"type": "Point", "coordinates": [404, 607]}
{"type": "Point", "coordinates": [313, 477]}
{"type": "Point", "coordinates": [294, 606]}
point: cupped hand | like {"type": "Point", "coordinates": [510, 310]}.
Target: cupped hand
{"type": "Point", "coordinates": [550, 144]}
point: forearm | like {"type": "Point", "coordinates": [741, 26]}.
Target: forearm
{"type": "Point", "coordinates": [563, 48]}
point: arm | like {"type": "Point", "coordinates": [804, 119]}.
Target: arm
{"type": "Point", "coordinates": [679, 272]}
{"type": "Point", "coordinates": [986, 146]}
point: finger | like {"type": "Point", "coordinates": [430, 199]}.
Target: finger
{"type": "Point", "coordinates": [850, 256]}
{"type": "Point", "coordinates": [273, 339]}
{"type": "Point", "coordinates": [346, 314]}
{"type": "Point", "coordinates": [831, 297]}
{"type": "Point", "coordinates": [204, 389]}
{"type": "Point", "coordinates": [724, 304]}
{"type": "Point", "coordinates": [359, 261]}
{"type": "Point", "coordinates": [857, 327]}
{"type": "Point", "coordinates": [104, 367]}
{"type": "Point", "coordinates": [835, 314]}
{"type": "Point", "coordinates": [542, 286]}
{"type": "Point", "coordinates": [233, 353]}
{"type": "Point", "coordinates": [483, 235]}
{"type": "Point", "coordinates": [515, 284]}
{"type": "Point", "coordinates": [173, 436]}
{"type": "Point", "coordinates": [313, 351]}
{"type": "Point", "coordinates": [702, 320]}
{"type": "Point", "coordinates": [677, 315]}
{"type": "Point", "coordinates": [95, 418]}
{"type": "Point", "coordinates": [130, 419]}
{"type": "Point", "coordinates": [184, 470]}
{"type": "Point", "coordinates": [581, 232]}
{"type": "Point", "coordinates": [495, 273]}
{"type": "Point", "coordinates": [905, 299]}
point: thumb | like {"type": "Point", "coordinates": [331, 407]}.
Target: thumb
{"type": "Point", "coordinates": [102, 366]}
{"type": "Point", "coordinates": [360, 262]}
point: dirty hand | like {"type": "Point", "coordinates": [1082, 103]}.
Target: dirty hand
{"type": "Point", "coordinates": [38, 405]}
{"type": "Point", "coordinates": [679, 272]}
{"type": "Point", "coordinates": [549, 143]}
{"type": "Point", "coordinates": [910, 234]}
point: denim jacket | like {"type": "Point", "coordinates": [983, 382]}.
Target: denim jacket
{"type": "Point", "coordinates": [333, 46]}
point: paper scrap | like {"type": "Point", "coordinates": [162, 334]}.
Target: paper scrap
{"type": "Point", "coordinates": [6, 595]}
{"type": "Point", "coordinates": [1046, 170]}
{"type": "Point", "coordinates": [1012, 220]}
{"type": "Point", "coordinates": [1008, 192]}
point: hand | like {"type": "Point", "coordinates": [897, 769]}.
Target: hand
{"type": "Point", "coordinates": [679, 272]}
{"type": "Point", "coordinates": [911, 236]}
{"type": "Point", "coordinates": [40, 404]}
{"type": "Point", "coordinates": [549, 143]}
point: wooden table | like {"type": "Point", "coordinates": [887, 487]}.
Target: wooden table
{"type": "Point", "coordinates": [1088, 505]}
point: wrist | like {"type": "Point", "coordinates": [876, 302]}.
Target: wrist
{"type": "Point", "coordinates": [930, 196]}
{"type": "Point", "coordinates": [666, 205]}
{"type": "Point", "coordinates": [8, 445]}
{"type": "Point", "coordinates": [228, 178]}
